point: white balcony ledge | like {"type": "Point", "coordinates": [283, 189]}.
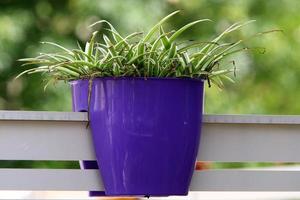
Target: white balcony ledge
{"type": "Point", "coordinates": [29, 135]}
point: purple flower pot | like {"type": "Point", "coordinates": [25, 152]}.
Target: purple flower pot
{"type": "Point", "coordinates": [146, 132]}
{"type": "Point", "coordinates": [80, 104]}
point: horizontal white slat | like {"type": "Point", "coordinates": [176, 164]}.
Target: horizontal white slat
{"type": "Point", "coordinates": [225, 138]}
{"type": "Point", "coordinates": [45, 140]}
{"type": "Point", "coordinates": [211, 180]}
{"type": "Point", "coordinates": [81, 116]}
{"type": "Point", "coordinates": [50, 179]}
{"type": "Point", "coordinates": [246, 180]}
{"type": "Point", "coordinates": [252, 119]}
{"type": "Point", "coordinates": [42, 115]}
{"type": "Point", "coordinates": [230, 142]}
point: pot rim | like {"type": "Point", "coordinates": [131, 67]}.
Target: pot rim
{"type": "Point", "coordinates": [138, 78]}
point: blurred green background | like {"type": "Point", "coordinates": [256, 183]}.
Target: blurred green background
{"type": "Point", "coordinates": [266, 83]}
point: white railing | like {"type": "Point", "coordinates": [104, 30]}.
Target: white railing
{"type": "Point", "coordinates": [225, 138]}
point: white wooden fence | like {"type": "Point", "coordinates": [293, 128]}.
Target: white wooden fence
{"type": "Point", "coordinates": [225, 138]}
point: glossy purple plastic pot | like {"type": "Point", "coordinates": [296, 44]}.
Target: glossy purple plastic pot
{"type": "Point", "coordinates": [80, 104]}
{"type": "Point", "coordinates": [146, 132]}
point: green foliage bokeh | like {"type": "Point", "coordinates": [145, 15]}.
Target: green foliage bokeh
{"type": "Point", "coordinates": [266, 83]}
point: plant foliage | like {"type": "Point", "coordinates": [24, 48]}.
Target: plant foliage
{"type": "Point", "coordinates": [154, 54]}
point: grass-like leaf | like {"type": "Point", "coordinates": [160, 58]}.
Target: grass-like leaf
{"type": "Point", "coordinates": [158, 53]}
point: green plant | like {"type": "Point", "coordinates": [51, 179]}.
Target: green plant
{"type": "Point", "coordinates": [155, 54]}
